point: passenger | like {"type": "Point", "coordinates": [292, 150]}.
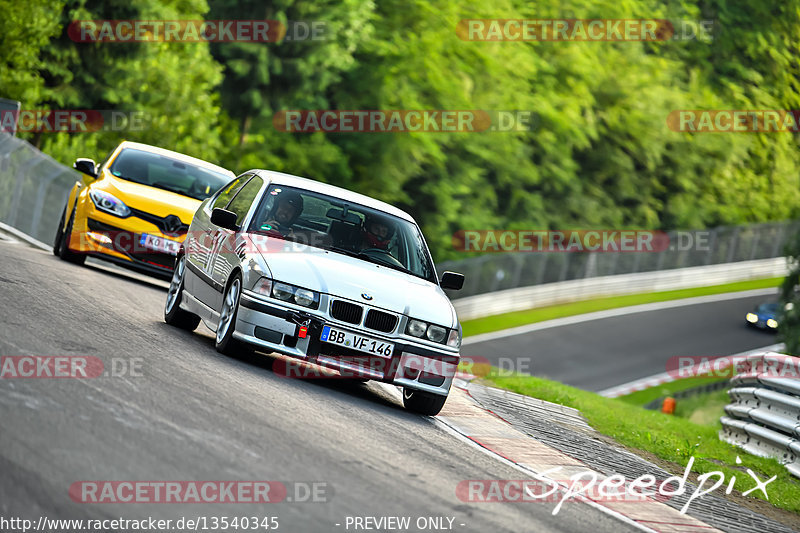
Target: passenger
{"type": "Point", "coordinates": [376, 233]}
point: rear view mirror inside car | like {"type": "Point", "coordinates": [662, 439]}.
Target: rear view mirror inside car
{"type": "Point", "coordinates": [340, 214]}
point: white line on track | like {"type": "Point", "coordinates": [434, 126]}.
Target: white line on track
{"type": "Point", "coordinates": [622, 311]}
{"type": "Point", "coordinates": [18, 235]}
{"type": "Point", "coordinates": [666, 377]}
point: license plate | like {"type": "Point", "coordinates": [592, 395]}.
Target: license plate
{"type": "Point", "coordinates": [160, 244]}
{"type": "Point", "coordinates": [356, 342]}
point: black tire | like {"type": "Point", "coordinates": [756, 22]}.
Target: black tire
{"type": "Point", "coordinates": [59, 233]}
{"type": "Point", "coordinates": [173, 314]}
{"type": "Point", "coordinates": [63, 245]}
{"type": "Point", "coordinates": [423, 403]}
{"type": "Point", "coordinates": [223, 340]}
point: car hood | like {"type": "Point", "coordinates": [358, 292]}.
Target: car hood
{"type": "Point", "coordinates": [150, 199]}
{"type": "Point", "coordinates": [348, 277]}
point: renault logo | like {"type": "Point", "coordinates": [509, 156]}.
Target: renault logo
{"type": "Point", "coordinates": [172, 224]}
{"type": "Point", "coordinates": [366, 296]}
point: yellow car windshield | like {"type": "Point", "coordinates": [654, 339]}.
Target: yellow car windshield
{"type": "Point", "coordinates": [163, 172]}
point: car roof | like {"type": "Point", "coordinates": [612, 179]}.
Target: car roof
{"type": "Point", "coordinates": [331, 190]}
{"type": "Point", "coordinates": [175, 155]}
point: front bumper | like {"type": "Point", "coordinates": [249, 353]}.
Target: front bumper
{"type": "Point", "coordinates": [272, 326]}
{"type": "Point", "coordinates": [118, 240]}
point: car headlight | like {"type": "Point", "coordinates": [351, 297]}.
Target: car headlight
{"type": "Point", "coordinates": [454, 339]}
{"type": "Point", "coordinates": [109, 203]}
{"type": "Point", "coordinates": [287, 293]}
{"type": "Point", "coordinates": [436, 333]}
{"type": "Point", "coordinates": [305, 297]}
{"type": "Point", "coordinates": [772, 323]}
{"type": "Point", "coordinates": [282, 291]}
{"type": "Point", "coordinates": [751, 317]}
{"type": "Point", "coordinates": [416, 328]}
{"type": "Point", "coordinates": [263, 286]}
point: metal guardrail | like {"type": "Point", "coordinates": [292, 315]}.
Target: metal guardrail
{"type": "Point", "coordinates": [33, 188]}
{"type": "Point", "coordinates": [764, 413]}
{"type": "Point", "coordinates": [524, 298]}
{"type": "Point", "coordinates": [729, 244]}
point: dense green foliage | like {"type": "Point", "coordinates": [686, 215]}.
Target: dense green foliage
{"type": "Point", "coordinates": [601, 154]}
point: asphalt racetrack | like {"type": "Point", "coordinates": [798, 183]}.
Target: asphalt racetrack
{"type": "Point", "coordinates": [173, 409]}
{"type": "Point", "coordinates": [607, 352]}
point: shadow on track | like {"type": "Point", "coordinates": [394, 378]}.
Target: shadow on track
{"type": "Point", "coordinates": [264, 365]}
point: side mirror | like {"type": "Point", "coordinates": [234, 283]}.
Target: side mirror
{"type": "Point", "coordinates": [85, 166]}
{"type": "Point", "coordinates": [452, 280]}
{"type": "Point", "coordinates": [224, 219]}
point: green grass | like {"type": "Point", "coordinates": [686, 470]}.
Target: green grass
{"type": "Point", "coordinates": [521, 318]}
{"type": "Point", "coordinates": [643, 397]}
{"type": "Point", "coordinates": [671, 438]}
{"type": "Point", "coordinates": [704, 409]}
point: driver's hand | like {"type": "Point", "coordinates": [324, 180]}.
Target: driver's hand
{"type": "Point", "coordinates": [277, 226]}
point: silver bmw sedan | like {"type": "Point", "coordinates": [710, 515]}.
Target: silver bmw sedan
{"type": "Point", "coordinates": [323, 275]}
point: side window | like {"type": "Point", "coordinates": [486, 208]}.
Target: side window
{"type": "Point", "coordinates": [244, 199]}
{"type": "Point", "coordinates": [229, 191]}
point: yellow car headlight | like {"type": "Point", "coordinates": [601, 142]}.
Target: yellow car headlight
{"type": "Point", "coordinates": [109, 203]}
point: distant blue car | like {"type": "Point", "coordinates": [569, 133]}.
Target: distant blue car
{"type": "Point", "coordinates": [764, 316]}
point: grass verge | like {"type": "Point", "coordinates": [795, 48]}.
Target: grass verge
{"type": "Point", "coordinates": [643, 397]}
{"type": "Point", "coordinates": [521, 318]}
{"type": "Point", "coordinates": [671, 438]}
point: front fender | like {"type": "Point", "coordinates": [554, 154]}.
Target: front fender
{"type": "Point", "coordinates": [72, 199]}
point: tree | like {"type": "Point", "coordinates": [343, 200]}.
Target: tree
{"type": "Point", "coordinates": [171, 83]}
{"type": "Point", "coordinates": [24, 29]}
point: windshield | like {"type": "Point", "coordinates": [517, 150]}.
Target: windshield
{"type": "Point", "coordinates": [767, 308]}
{"type": "Point", "coordinates": [331, 223]}
{"type": "Point", "coordinates": [166, 173]}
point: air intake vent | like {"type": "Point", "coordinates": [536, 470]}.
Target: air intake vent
{"type": "Point", "coordinates": [380, 321]}
{"type": "Point", "coordinates": [346, 312]}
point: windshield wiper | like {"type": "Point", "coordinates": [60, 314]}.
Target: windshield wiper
{"type": "Point", "coordinates": [160, 185]}
{"type": "Point", "coordinates": [395, 267]}
{"type": "Point", "coordinates": [371, 259]}
{"type": "Point", "coordinates": [128, 178]}
{"type": "Point", "coordinates": [345, 251]}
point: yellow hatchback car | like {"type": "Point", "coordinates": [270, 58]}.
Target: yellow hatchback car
{"type": "Point", "coordinates": [134, 208]}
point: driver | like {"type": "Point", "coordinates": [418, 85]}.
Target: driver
{"type": "Point", "coordinates": [284, 213]}
{"type": "Point", "coordinates": [376, 233]}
